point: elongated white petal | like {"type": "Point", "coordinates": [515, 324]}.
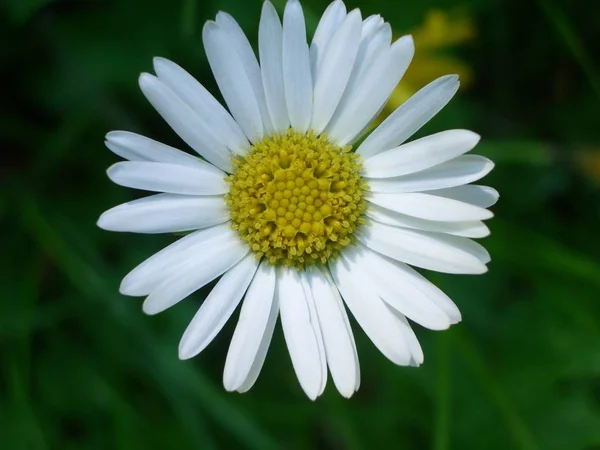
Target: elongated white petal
{"type": "Point", "coordinates": [255, 324]}
{"type": "Point", "coordinates": [369, 310]}
{"type": "Point", "coordinates": [250, 63]}
{"type": "Point", "coordinates": [430, 207]}
{"type": "Point", "coordinates": [420, 154]}
{"type": "Point", "coordinates": [135, 147]}
{"type": "Point", "coordinates": [432, 251]}
{"type": "Point", "coordinates": [208, 109]}
{"type": "Point", "coordinates": [300, 329]}
{"type": "Point", "coordinates": [410, 116]}
{"type": "Point", "coordinates": [172, 178]}
{"type": "Point", "coordinates": [330, 21]}
{"type": "Point", "coordinates": [372, 23]}
{"type": "Point", "coordinates": [217, 308]}
{"type": "Point", "coordinates": [416, 352]}
{"type": "Point", "coordinates": [184, 121]}
{"type": "Point", "coordinates": [456, 172]}
{"type": "Point", "coordinates": [360, 104]}
{"type": "Point", "coordinates": [475, 229]}
{"type": "Point", "coordinates": [199, 270]}
{"type": "Point", "coordinates": [165, 213]}
{"type": "Point", "coordinates": [232, 79]}
{"type": "Point", "coordinates": [271, 63]}
{"type": "Point", "coordinates": [342, 358]}
{"type": "Point", "coordinates": [334, 72]}
{"type": "Point", "coordinates": [396, 287]}
{"type": "Point", "coordinates": [261, 353]}
{"type": "Point", "coordinates": [408, 275]}
{"type": "Point", "coordinates": [481, 196]}
{"type": "Point", "coordinates": [376, 39]}
{"type": "Point", "coordinates": [147, 275]}
{"type": "Point", "coordinates": [315, 323]}
{"type": "Point", "coordinates": [297, 78]}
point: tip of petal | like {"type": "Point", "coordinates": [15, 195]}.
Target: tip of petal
{"type": "Point", "coordinates": [112, 135]}
{"type": "Point", "coordinates": [222, 15]}
{"type": "Point", "coordinates": [145, 80]}
{"type": "Point", "coordinates": [209, 27]}
{"type": "Point", "coordinates": [229, 382]}
{"type": "Point", "coordinates": [104, 222]}
{"type": "Point", "coordinates": [128, 288]}
{"type": "Point", "coordinates": [110, 172]}
{"type": "Point", "coordinates": [159, 62]}
{"type": "Point", "coordinates": [185, 352]}
{"type": "Point", "coordinates": [407, 40]}
{"type": "Point", "coordinates": [150, 307]}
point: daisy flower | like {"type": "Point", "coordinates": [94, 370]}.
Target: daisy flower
{"type": "Point", "coordinates": [298, 220]}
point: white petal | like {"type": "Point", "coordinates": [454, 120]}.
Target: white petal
{"type": "Point", "coordinates": [394, 285]}
{"type": "Point", "coordinates": [297, 78]}
{"type": "Point", "coordinates": [429, 207]}
{"type": "Point", "coordinates": [172, 178]}
{"type": "Point", "coordinates": [208, 109]}
{"type": "Point", "coordinates": [334, 72]}
{"type": "Point", "coordinates": [416, 351]}
{"type": "Point", "coordinates": [165, 213]}
{"type": "Point", "coordinates": [248, 58]}
{"type": "Point", "coordinates": [362, 101]}
{"type": "Point", "coordinates": [329, 23]}
{"type": "Point", "coordinates": [300, 329]}
{"type": "Point", "coordinates": [372, 23]}
{"type": "Point", "coordinates": [217, 308]}
{"type": "Point", "coordinates": [456, 172]}
{"type": "Point", "coordinates": [147, 275]}
{"type": "Point", "coordinates": [199, 270]}
{"type": "Point", "coordinates": [261, 353]}
{"type": "Point", "coordinates": [232, 79]}
{"type": "Point", "coordinates": [135, 147]}
{"type": "Point", "coordinates": [340, 349]}
{"type": "Point", "coordinates": [370, 311]}
{"type": "Point", "coordinates": [376, 39]}
{"type": "Point", "coordinates": [184, 121]}
{"type": "Point", "coordinates": [270, 51]}
{"type": "Point", "coordinates": [410, 116]}
{"type": "Point", "coordinates": [432, 251]}
{"type": "Point", "coordinates": [257, 318]}
{"type": "Point", "coordinates": [420, 154]}
{"type": "Point", "coordinates": [475, 229]}
{"type": "Point", "coordinates": [310, 302]}
{"type": "Point", "coordinates": [481, 196]}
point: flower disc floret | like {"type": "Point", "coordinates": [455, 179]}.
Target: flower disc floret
{"type": "Point", "coordinates": [296, 198]}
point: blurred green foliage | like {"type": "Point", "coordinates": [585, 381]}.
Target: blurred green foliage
{"type": "Point", "coordinates": [83, 368]}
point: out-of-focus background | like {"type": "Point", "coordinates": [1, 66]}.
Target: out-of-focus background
{"type": "Point", "coordinates": [83, 368]}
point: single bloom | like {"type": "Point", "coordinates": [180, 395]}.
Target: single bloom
{"type": "Point", "coordinates": [299, 221]}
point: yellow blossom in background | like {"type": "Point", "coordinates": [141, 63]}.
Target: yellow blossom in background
{"type": "Point", "coordinates": [439, 32]}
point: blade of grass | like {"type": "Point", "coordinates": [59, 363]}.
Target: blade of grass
{"type": "Point", "coordinates": [442, 398]}
{"type": "Point", "coordinates": [542, 253]}
{"type": "Point", "coordinates": [517, 428]}
{"type": "Point", "coordinates": [88, 280]}
{"type": "Point", "coordinates": [19, 361]}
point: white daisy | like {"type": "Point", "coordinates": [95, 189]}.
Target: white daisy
{"type": "Point", "coordinates": [297, 222]}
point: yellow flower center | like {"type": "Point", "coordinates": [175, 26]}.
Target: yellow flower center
{"type": "Point", "coordinates": [296, 198]}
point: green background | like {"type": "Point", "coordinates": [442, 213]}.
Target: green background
{"type": "Point", "coordinates": [81, 367]}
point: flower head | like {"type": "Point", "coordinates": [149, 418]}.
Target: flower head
{"type": "Point", "coordinates": [298, 221]}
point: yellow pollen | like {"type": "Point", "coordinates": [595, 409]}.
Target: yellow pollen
{"type": "Point", "coordinates": [296, 198]}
